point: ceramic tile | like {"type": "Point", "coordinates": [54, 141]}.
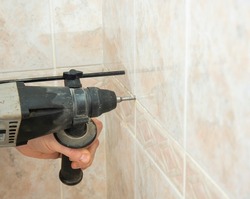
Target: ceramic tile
{"type": "Point", "coordinates": [198, 185]}
{"type": "Point", "coordinates": [160, 50]}
{"type": "Point", "coordinates": [150, 183]}
{"type": "Point", "coordinates": [25, 36]}
{"type": "Point", "coordinates": [218, 98]}
{"type": "Point", "coordinates": [23, 177]}
{"type": "Point", "coordinates": [163, 150]}
{"type": "Point", "coordinates": [119, 38]}
{"type": "Point", "coordinates": [120, 159]}
{"type": "Point", "coordinates": [78, 32]}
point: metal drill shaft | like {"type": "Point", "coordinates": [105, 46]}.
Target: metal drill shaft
{"type": "Point", "coordinates": [125, 98]}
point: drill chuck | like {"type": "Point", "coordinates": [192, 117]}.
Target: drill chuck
{"type": "Point", "coordinates": [101, 101]}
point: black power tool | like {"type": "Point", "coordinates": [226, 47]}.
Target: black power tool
{"type": "Point", "coordinates": [28, 112]}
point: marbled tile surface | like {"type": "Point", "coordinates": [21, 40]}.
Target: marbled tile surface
{"type": "Point", "coordinates": [78, 32]}
{"type": "Point", "coordinates": [150, 183]}
{"type": "Point", "coordinates": [219, 93]}
{"type": "Point", "coordinates": [118, 39]}
{"type": "Point", "coordinates": [120, 155]}
{"type": "Point", "coordinates": [40, 35]}
{"type": "Point", "coordinates": [23, 177]}
{"type": "Point", "coordinates": [160, 53]}
{"type": "Point", "coordinates": [199, 185]}
{"type": "Point", "coordinates": [25, 35]}
{"type": "Point", "coordinates": [191, 76]}
{"type": "Point", "coordinates": [164, 151]}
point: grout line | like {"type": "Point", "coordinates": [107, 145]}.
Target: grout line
{"type": "Point", "coordinates": [134, 48]}
{"type": "Point", "coordinates": [123, 86]}
{"type": "Point", "coordinates": [60, 184]}
{"type": "Point", "coordinates": [52, 28]}
{"type": "Point", "coordinates": [137, 142]}
{"type": "Point", "coordinates": [186, 70]}
{"type": "Point", "coordinates": [185, 154]}
{"type": "Point", "coordinates": [169, 137]}
{"type": "Point", "coordinates": [156, 122]}
{"type": "Point", "coordinates": [187, 65]}
{"type": "Point", "coordinates": [135, 155]}
{"type": "Point", "coordinates": [135, 92]}
{"type": "Point", "coordinates": [61, 191]}
{"type": "Point", "coordinates": [208, 177]}
{"type": "Point", "coordinates": [23, 71]}
{"type": "Point", "coordinates": [103, 26]}
{"type": "Point", "coordinates": [105, 148]}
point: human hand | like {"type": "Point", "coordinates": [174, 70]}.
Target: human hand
{"type": "Point", "coordinates": [47, 147]}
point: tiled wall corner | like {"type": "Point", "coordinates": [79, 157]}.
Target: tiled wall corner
{"type": "Point", "coordinates": [130, 47]}
{"type": "Point", "coordinates": [141, 161]}
{"type": "Point", "coordinates": [191, 79]}
{"type": "Point", "coordinates": [163, 150]}
{"type": "Point", "coordinates": [159, 69]}
{"type": "Point", "coordinates": [118, 39]}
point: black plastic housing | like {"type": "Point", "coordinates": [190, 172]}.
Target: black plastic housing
{"type": "Point", "coordinates": [53, 109]}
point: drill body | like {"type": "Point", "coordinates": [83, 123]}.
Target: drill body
{"type": "Point", "coordinates": [27, 112]}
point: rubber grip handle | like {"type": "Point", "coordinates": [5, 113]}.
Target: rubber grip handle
{"type": "Point", "coordinates": [68, 175]}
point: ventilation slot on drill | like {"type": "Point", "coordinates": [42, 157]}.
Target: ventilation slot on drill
{"type": "Point", "coordinates": [12, 131]}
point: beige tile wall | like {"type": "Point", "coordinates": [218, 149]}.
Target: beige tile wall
{"type": "Point", "coordinates": [25, 34]}
{"type": "Point", "coordinates": [38, 38]}
{"type": "Point", "coordinates": [187, 135]}
{"type": "Point", "coordinates": [219, 93]}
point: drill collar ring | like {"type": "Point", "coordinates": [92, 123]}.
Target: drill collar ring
{"type": "Point", "coordinates": [78, 142]}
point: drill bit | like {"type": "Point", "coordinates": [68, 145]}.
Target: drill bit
{"type": "Point", "coordinates": [126, 98]}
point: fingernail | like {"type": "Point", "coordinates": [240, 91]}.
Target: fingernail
{"type": "Point", "coordinates": [84, 158]}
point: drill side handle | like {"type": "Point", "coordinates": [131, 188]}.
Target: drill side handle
{"type": "Point", "coordinates": [86, 135]}
{"type": "Point", "coordinates": [68, 175]}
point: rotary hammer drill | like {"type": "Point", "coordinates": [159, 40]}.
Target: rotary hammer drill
{"type": "Point", "coordinates": [28, 112]}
